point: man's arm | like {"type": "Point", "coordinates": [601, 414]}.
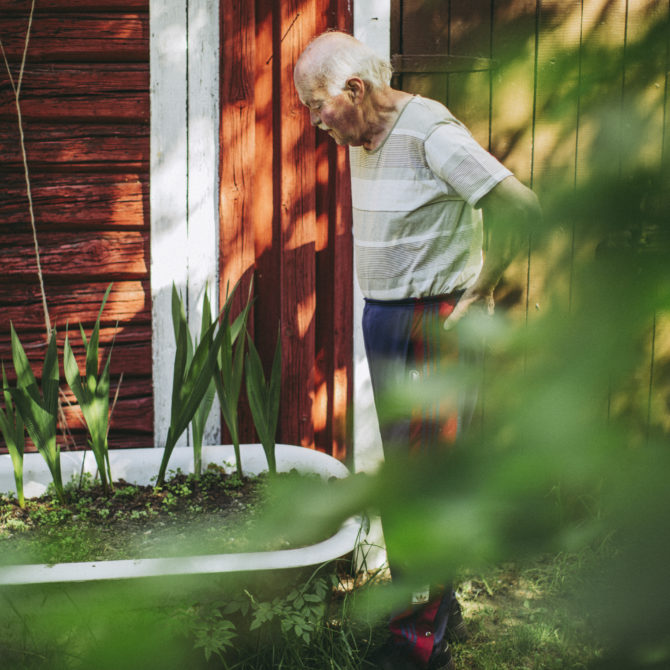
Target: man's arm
{"type": "Point", "coordinates": [510, 210]}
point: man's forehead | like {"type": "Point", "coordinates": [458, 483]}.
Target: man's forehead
{"type": "Point", "coordinates": [309, 93]}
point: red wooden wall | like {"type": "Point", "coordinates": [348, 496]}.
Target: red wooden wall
{"type": "Point", "coordinates": [285, 213]}
{"type": "Point", "coordinates": [284, 200]}
{"type": "Point", "coordinates": [85, 105]}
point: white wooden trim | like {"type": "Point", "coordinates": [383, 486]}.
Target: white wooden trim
{"type": "Point", "coordinates": [184, 54]}
{"type": "Point", "coordinates": [372, 25]}
{"type": "Point", "coordinates": [203, 170]}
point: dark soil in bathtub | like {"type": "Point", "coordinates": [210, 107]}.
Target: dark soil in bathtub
{"type": "Point", "coordinates": [187, 516]}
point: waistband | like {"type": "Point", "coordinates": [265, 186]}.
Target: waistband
{"type": "Point", "coordinates": [423, 300]}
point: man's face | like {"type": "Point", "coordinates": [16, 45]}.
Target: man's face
{"type": "Point", "coordinates": [336, 115]}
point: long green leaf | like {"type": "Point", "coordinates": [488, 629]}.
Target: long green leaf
{"type": "Point", "coordinates": [50, 376]}
{"type": "Point", "coordinates": [264, 398]}
{"type": "Point", "coordinates": [39, 410]}
{"type": "Point", "coordinates": [25, 379]}
{"type": "Point", "coordinates": [41, 426]}
{"type": "Point", "coordinates": [255, 391]}
{"type": "Point", "coordinates": [72, 374]}
{"type": "Point", "coordinates": [179, 371]}
{"type": "Point", "coordinates": [93, 347]}
{"type": "Point", "coordinates": [275, 387]}
{"type": "Point", "coordinates": [13, 430]}
{"type": "Point", "coordinates": [229, 366]}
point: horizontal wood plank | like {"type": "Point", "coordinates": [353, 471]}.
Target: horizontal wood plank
{"type": "Point", "coordinates": [22, 7]}
{"type": "Point", "coordinates": [73, 92]}
{"type": "Point", "coordinates": [116, 147]}
{"type": "Point", "coordinates": [22, 304]}
{"type": "Point", "coordinates": [114, 255]}
{"type": "Point", "coordinates": [131, 422]}
{"type": "Point", "coordinates": [75, 201]}
{"type": "Point", "coordinates": [129, 418]}
{"type": "Point", "coordinates": [118, 439]}
{"type": "Point", "coordinates": [78, 37]}
{"type": "Point", "coordinates": [131, 350]}
{"type": "Point", "coordinates": [133, 410]}
{"type": "Point", "coordinates": [440, 64]}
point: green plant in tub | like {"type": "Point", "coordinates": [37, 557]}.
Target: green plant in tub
{"type": "Point", "coordinates": [228, 370]}
{"type": "Point", "coordinates": [92, 393]}
{"type": "Point", "coordinates": [11, 425]}
{"type": "Point", "coordinates": [191, 379]}
{"type": "Point", "coordinates": [39, 410]}
{"type": "Point", "coordinates": [264, 398]}
{"type": "Point", "coordinates": [202, 412]}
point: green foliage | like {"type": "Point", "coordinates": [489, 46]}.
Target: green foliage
{"type": "Point", "coordinates": [210, 629]}
{"type": "Point", "coordinates": [12, 428]}
{"type": "Point", "coordinates": [202, 412]}
{"type": "Point", "coordinates": [264, 398]}
{"type": "Point", "coordinates": [191, 378]}
{"type": "Point", "coordinates": [299, 613]}
{"type": "Point", "coordinates": [246, 622]}
{"type": "Point", "coordinates": [92, 393]}
{"type": "Point", "coordinates": [228, 368]}
{"type": "Point", "coordinates": [39, 409]}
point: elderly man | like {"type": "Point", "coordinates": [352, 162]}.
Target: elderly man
{"type": "Point", "coordinates": [422, 190]}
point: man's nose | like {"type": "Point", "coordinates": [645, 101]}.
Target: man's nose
{"type": "Point", "coordinates": [314, 118]}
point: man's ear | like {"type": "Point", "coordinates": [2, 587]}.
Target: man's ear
{"type": "Point", "coordinates": [356, 89]}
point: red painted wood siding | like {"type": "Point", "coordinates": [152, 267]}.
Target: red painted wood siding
{"type": "Point", "coordinates": [285, 214]}
{"type": "Point", "coordinates": [85, 106]}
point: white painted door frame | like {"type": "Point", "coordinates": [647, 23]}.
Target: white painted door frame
{"type": "Point", "coordinates": [184, 181]}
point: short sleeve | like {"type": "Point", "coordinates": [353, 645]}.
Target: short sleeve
{"type": "Point", "coordinates": [457, 158]}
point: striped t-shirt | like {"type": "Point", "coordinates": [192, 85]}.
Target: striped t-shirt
{"type": "Point", "coordinates": [417, 231]}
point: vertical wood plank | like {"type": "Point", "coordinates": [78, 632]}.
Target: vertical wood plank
{"type": "Point", "coordinates": [514, 35]}
{"type": "Point", "coordinates": [236, 166]}
{"type": "Point", "coordinates": [323, 322]}
{"type": "Point", "coordinates": [267, 173]}
{"type": "Point", "coordinates": [298, 225]}
{"type": "Point", "coordinates": [643, 107]}
{"type": "Point", "coordinates": [237, 141]}
{"type": "Point", "coordinates": [342, 340]}
{"type": "Point", "coordinates": [415, 16]}
{"type": "Point", "coordinates": [644, 83]}
{"type": "Point", "coordinates": [513, 118]}
{"type": "Point", "coordinates": [334, 311]}
{"type": "Point", "coordinates": [604, 29]}
{"type": "Point", "coordinates": [469, 93]}
{"type": "Point", "coordinates": [555, 137]}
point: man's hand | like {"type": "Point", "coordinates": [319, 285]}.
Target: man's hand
{"type": "Point", "coordinates": [473, 298]}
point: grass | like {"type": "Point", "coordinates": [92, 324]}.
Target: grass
{"type": "Point", "coordinates": [520, 617]}
{"type": "Point", "coordinates": [523, 617]}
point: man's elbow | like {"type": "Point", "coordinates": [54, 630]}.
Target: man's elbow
{"type": "Point", "coordinates": [529, 208]}
{"type": "Point", "coordinates": [511, 203]}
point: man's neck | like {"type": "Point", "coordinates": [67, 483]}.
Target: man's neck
{"type": "Point", "coordinates": [384, 108]}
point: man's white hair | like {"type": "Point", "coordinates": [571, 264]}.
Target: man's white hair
{"type": "Point", "coordinates": [338, 56]}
